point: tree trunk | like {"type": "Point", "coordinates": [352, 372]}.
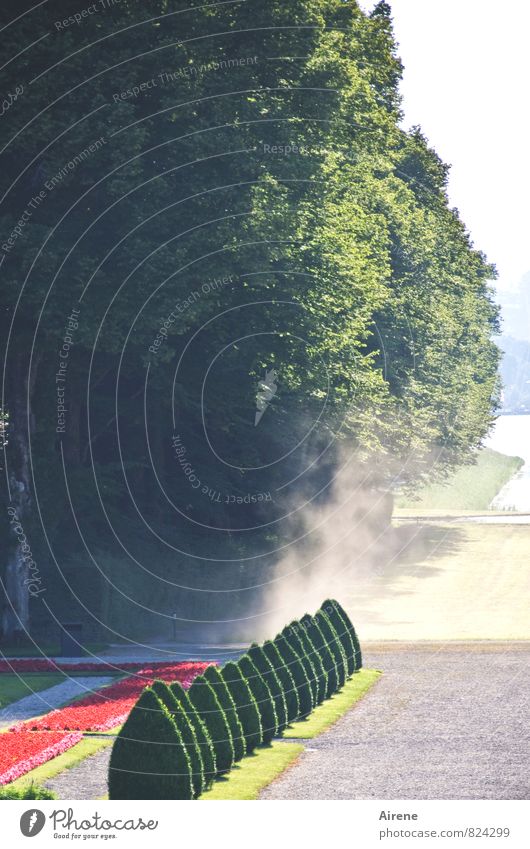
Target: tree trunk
{"type": "Point", "coordinates": [17, 583]}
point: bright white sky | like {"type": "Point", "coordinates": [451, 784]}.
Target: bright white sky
{"type": "Point", "coordinates": [467, 83]}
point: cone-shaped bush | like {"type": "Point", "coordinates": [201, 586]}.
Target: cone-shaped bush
{"type": "Point", "coordinates": [291, 633]}
{"type": "Point", "coordinates": [286, 679]}
{"type": "Point", "coordinates": [265, 667]}
{"type": "Point", "coordinates": [210, 711]}
{"type": "Point", "coordinates": [331, 607]}
{"type": "Point", "coordinates": [261, 692]}
{"type": "Point", "coordinates": [296, 668]}
{"type": "Point", "coordinates": [247, 709]}
{"type": "Point", "coordinates": [201, 732]}
{"type": "Point", "coordinates": [148, 759]}
{"type": "Point", "coordinates": [317, 638]}
{"type": "Point", "coordinates": [334, 643]}
{"type": "Point", "coordinates": [353, 634]}
{"type": "Point", "coordinates": [213, 675]}
{"type": "Point", "coordinates": [311, 651]}
{"type": "Point", "coordinates": [187, 732]}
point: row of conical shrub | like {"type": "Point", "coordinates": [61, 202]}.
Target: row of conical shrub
{"type": "Point", "coordinates": [175, 743]}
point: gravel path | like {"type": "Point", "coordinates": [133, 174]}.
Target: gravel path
{"type": "Point", "coordinates": [38, 703]}
{"type": "Point", "coordinates": [443, 722]}
{"type": "Point", "coordinates": [88, 780]}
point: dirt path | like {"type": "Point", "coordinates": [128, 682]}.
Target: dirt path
{"type": "Point", "coordinates": [439, 724]}
{"type": "Point", "coordinates": [446, 721]}
{"type": "Point", "coordinates": [87, 780]}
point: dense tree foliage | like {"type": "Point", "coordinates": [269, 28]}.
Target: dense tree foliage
{"type": "Point", "coordinates": [222, 258]}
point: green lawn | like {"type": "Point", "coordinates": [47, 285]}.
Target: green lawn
{"type": "Point", "coordinates": [254, 772]}
{"type": "Point", "coordinates": [14, 687]}
{"type": "Point", "coordinates": [332, 709]}
{"type": "Point", "coordinates": [44, 650]}
{"type": "Point", "coordinates": [449, 581]}
{"type": "Point", "coordinates": [470, 488]}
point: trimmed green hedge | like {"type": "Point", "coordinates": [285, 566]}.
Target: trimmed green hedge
{"type": "Point", "coordinates": [334, 644]}
{"type": "Point", "coordinates": [201, 732]}
{"type": "Point", "coordinates": [247, 708]}
{"type": "Point", "coordinates": [317, 638]}
{"type": "Point", "coordinates": [287, 681]}
{"type": "Point", "coordinates": [290, 632]}
{"type": "Point", "coordinates": [214, 676]}
{"type": "Point", "coordinates": [333, 610]}
{"type": "Point", "coordinates": [176, 742]}
{"type": "Point", "coordinates": [210, 711]}
{"type": "Point", "coordinates": [352, 632]}
{"type": "Point", "coordinates": [296, 668]}
{"type": "Point", "coordinates": [148, 759]}
{"type": "Point", "coordinates": [314, 655]}
{"type": "Point", "coordinates": [265, 667]}
{"type": "Point", "coordinates": [264, 700]}
{"type": "Point", "coordinates": [187, 732]}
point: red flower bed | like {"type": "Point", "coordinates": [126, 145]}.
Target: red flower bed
{"type": "Point", "coordinates": [25, 750]}
{"type": "Point", "coordinates": [110, 706]}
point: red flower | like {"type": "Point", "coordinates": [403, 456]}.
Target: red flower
{"type": "Point", "coordinates": [27, 749]}
{"type": "Point", "coordinates": [110, 706]}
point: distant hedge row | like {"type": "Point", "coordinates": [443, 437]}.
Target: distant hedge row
{"type": "Point", "coordinates": [175, 743]}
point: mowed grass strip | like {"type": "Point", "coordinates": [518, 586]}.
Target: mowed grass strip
{"type": "Point", "coordinates": [470, 488]}
{"type": "Point", "coordinates": [48, 650]}
{"type": "Point", "coordinates": [326, 714]}
{"type": "Point", "coordinates": [255, 772]}
{"type": "Point", "coordinates": [17, 686]}
{"type": "Point", "coordinates": [247, 778]}
{"type": "Point", "coordinates": [454, 581]}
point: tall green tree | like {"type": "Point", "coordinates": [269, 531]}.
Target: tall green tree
{"type": "Point", "coordinates": [222, 192]}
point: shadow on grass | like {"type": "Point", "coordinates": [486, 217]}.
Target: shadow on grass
{"type": "Point", "coordinates": [414, 543]}
{"type": "Point", "coordinates": [411, 550]}
{"type": "Point", "coordinates": [223, 779]}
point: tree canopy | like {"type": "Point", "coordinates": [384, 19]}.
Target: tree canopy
{"type": "Point", "coordinates": [204, 209]}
